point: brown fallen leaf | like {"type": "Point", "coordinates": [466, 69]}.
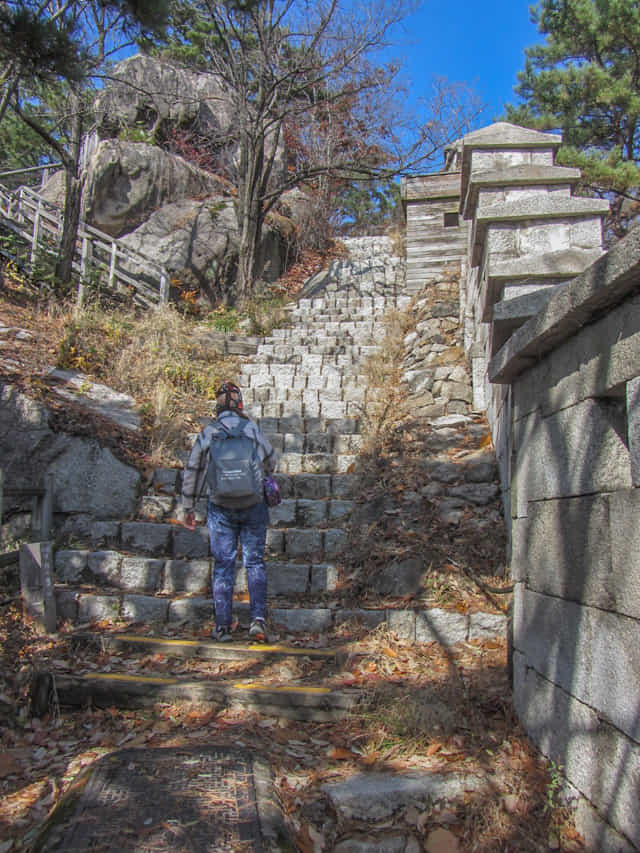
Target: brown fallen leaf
{"type": "Point", "coordinates": [433, 748]}
{"type": "Point", "coordinates": [339, 754]}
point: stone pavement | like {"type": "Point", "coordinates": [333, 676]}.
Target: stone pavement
{"type": "Point", "coordinates": [205, 799]}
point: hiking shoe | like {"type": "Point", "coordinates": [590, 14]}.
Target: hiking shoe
{"type": "Point", "coordinates": [222, 635]}
{"type": "Point", "coordinates": [258, 631]}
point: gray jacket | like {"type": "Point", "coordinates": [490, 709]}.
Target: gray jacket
{"type": "Point", "coordinates": [194, 483]}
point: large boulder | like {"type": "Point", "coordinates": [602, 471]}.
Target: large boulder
{"type": "Point", "coordinates": [88, 479]}
{"type": "Point", "coordinates": [127, 182]}
{"type": "Point", "coordinates": [196, 242]}
{"type": "Point", "coordinates": [145, 92]}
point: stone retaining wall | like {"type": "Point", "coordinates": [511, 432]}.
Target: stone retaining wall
{"type": "Point", "coordinates": [552, 330]}
{"type": "Point", "coordinates": [575, 506]}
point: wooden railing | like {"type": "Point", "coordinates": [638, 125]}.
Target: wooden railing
{"type": "Point", "coordinates": [99, 259]}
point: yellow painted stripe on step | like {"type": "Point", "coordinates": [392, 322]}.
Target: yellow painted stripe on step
{"type": "Point", "coordinates": [291, 650]}
{"type": "Point", "coordinates": [253, 647]}
{"type": "Point", "coordinates": [133, 638]}
{"type": "Point", "coordinates": [147, 679]}
{"type": "Point", "coordinates": [257, 686]}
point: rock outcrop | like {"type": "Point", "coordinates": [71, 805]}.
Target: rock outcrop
{"type": "Point", "coordinates": [89, 481]}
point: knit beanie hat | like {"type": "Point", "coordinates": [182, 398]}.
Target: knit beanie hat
{"type": "Point", "coordinates": [228, 396]}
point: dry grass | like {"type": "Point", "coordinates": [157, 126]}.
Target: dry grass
{"type": "Point", "coordinates": [386, 401]}
{"type": "Point", "coordinates": [156, 357]}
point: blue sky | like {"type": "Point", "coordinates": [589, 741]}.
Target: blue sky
{"type": "Point", "coordinates": [478, 41]}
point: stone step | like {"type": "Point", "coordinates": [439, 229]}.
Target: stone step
{"type": "Point", "coordinates": [316, 463]}
{"type": "Point", "coordinates": [301, 701]}
{"type": "Point", "coordinates": [113, 570]}
{"type": "Point", "coordinates": [420, 625]}
{"type": "Point", "coordinates": [326, 409]}
{"type": "Point", "coordinates": [166, 483]}
{"type": "Point", "coordinates": [285, 376]}
{"type": "Point", "coordinates": [159, 539]}
{"type": "Point", "coordinates": [203, 649]}
{"type": "Point", "coordinates": [292, 511]}
{"type": "Point", "coordinates": [313, 396]}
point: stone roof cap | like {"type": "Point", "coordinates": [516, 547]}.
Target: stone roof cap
{"type": "Point", "coordinates": [503, 134]}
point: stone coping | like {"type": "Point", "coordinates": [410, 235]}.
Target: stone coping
{"type": "Point", "coordinates": [600, 287]}
{"type": "Point", "coordinates": [543, 270]}
{"type": "Point", "coordinates": [531, 209]}
{"type": "Point", "coordinates": [523, 174]}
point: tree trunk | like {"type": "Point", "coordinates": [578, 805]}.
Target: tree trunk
{"type": "Point", "coordinates": [72, 198]}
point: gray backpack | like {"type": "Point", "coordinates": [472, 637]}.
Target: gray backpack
{"type": "Point", "coordinates": [234, 474]}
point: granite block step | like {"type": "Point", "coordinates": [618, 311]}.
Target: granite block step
{"type": "Point", "coordinates": [202, 649]}
{"type": "Point", "coordinates": [333, 409]}
{"type": "Point", "coordinates": [126, 690]}
{"type": "Point", "coordinates": [304, 396]}
{"type": "Point", "coordinates": [114, 570]}
{"type": "Point", "coordinates": [299, 512]}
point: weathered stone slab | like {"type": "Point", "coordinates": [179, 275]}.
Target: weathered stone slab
{"type": "Point", "coordinates": [624, 583]}
{"type": "Point", "coordinates": [403, 624]}
{"type": "Point", "coordinates": [441, 626]}
{"type": "Point", "coordinates": [604, 284]}
{"type": "Point", "coordinates": [141, 573]}
{"type": "Point", "coordinates": [303, 542]}
{"type": "Point", "coordinates": [592, 654]}
{"type": "Point", "coordinates": [365, 844]}
{"type": "Point", "coordinates": [191, 544]}
{"type": "Point", "coordinates": [145, 608]}
{"type": "Point", "coordinates": [70, 565]}
{"type": "Point", "coordinates": [566, 550]}
{"type": "Point", "coordinates": [376, 796]}
{"type": "Point", "coordinates": [573, 452]}
{"type": "Point", "coordinates": [105, 566]}
{"type": "Point", "coordinates": [480, 494]}
{"type": "Point", "coordinates": [324, 577]}
{"type": "Point", "coordinates": [186, 576]}
{"type": "Point", "coordinates": [403, 577]}
{"type": "Point", "coordinates": [287, 578]}
{"type": "Point", "coordinates": [105, 534]}
{"type": "Point", "coordinates": [599, 760]}
{"type": "Point", "coordinates": [146, 537]}
{"type": "Point", "coordinates": [633, 427]}
{"type": "Point", "coordinates": [97, 607]}
{"type": "Point", "coordinates": [312, 486]}
{"type": "Point", "coordinates": [303, 619]}
{"type": "Point", "coordinates": [483, 626]}
{"type": "Point", "coordinates": [335, 541]}
{"type": "Point", "coordinates": [368, 618]}
{"type": "Point", "coordinates": [197, 609]}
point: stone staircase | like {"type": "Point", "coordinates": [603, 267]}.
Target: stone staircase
{"type": "Point", "coordinates": [305, 386]}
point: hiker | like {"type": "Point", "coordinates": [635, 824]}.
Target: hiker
{"type": "Point", "coordinates": [237, 509]}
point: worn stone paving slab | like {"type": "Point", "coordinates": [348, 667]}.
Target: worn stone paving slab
{"type": "Point", "coordinates": [205, 799]}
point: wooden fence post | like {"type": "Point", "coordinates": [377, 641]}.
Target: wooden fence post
{"type": "Point", "coordinates": [34, 237]}
{"type": "Point", "coordinates": [112, 265]}
{"type": "Point", "coordinates": [1, 493]}
{"type": "Point", "coordinates": [84, 269]}
{"type": "Point", "coordinates": [164, 289]}
{"type": "Point", "coordinates": [36, 584]}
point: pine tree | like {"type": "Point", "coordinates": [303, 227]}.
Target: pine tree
{"type": "Point", "coordinates": [584, 81]}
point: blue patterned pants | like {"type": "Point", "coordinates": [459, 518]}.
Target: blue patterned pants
{"type": "Point", "coordinates": [227, 527]}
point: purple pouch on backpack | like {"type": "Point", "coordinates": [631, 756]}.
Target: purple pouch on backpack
{"type": "Point", "coordinates": [271, 491]}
